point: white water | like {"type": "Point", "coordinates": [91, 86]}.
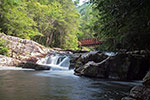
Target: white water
{"type": "Point", "coordinates": [110, 53]}
{"type": "Point", "coordinates": [13, 68]}
{"type": "Point", "coordinates": [56, 61]}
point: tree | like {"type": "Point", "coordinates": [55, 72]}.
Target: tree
{"type": "Point", "coordinates": [15, 20]}
{"type": "Point", "coordinates": [123, 23]}
{"type": "Point", "coordinates": [49, 22]}
{"type": "Point", "coordinates": [88, 19]}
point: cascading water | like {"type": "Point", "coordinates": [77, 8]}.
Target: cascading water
{"type": "Point", "coordinates": [56, 61]}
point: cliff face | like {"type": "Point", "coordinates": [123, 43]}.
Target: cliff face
{"type": "Point", "coordinates": [21, 50]}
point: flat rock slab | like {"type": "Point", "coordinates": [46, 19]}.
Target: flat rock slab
{"type": "Point", "coordinates": [35, 66]}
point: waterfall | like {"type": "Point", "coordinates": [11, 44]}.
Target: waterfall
{"type": "Point", "coordinates": [56, 61]}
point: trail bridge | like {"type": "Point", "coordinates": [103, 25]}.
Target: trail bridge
{"type": "Point", "coordinates": [90, 42]}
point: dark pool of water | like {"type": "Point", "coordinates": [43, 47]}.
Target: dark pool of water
{"type": "Point", "coordinates": [58, 85]}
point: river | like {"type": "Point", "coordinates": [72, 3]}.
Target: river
{"type": "Point", "coordinates": [20, 84]}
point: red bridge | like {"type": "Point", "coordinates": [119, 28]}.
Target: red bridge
{"type": "Point", "coordinates": [90, 42]}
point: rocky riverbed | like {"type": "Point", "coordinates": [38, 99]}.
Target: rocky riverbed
{"type": "Point", "coordinates": [125, 66]}
{"type": "Point", "coordinates": [24, 53]}
{"type": "Point", "coordinates": [120, 66]}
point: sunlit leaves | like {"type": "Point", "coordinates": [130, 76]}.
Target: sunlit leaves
{"type": "Point", "coordinates": [49, 22]}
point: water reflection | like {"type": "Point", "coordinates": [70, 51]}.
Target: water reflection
{"type": "Point", "coordinates": [47, 85]}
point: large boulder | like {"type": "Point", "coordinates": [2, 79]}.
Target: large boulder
{"type": "Point", "coordinates": [93, 56]}
{"type": "Point", "coordinates": [92, 65]}
{"type": "Point", "coordinates": [123, 66]}
{"type": "Point", "coordinates": [92, 69]}
{"type": "Point", "coordinates": [8, 61]}
{"type": "Point", "coordinates": [128, 66]}
{"type": "Point", "coordinates": [23, 49]}
{"type": "Point", "coordinates": [35, 66]}
{"type": "Point", "coordinates": [90, 56]}
{"type": "Point", "coordinates": [140, 92]}
{"type": "Point", "coordinates": [73, 60]}
{"type": "Point", "coordinates": [146, 80]}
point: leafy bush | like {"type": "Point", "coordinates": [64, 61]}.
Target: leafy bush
{"type": "Point", "coordinates": [3, 50]}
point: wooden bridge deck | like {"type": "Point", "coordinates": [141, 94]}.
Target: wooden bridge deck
{"type": "Point", "coordinates": [90, 42]}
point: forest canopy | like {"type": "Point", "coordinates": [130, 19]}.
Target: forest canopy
{"type": "Point", "coordinates": [123, 24]}
{"type": "Point", "coordinates": [120, 24]}
{"type": "Point", "coordinates": [53, 23]}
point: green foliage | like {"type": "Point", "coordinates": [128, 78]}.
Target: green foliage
{"type": "Point", "coordinates": [52, 23]}
{"type": "Point", "coordinates": [123, 24]}
{"type": "Point", "coordinates": [15, 20]}
{"type": "Point", "coordinates": [19, 24]}
{"type": "Point", "coordinates": [3, 50]}
{"type": "Point", "coordinates": [88, 19]}
{"type": "Point", "coordinates": [71, 42]}
{"type": "Point", "coordinates": [60, 21]}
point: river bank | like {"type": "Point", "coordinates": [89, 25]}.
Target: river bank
{"type": "Point", "coordinates": [125, 66]}
{"type": "Point", "coordinates": [23, 51]}
{"type": "Point", "coordinates": [129, 65]}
